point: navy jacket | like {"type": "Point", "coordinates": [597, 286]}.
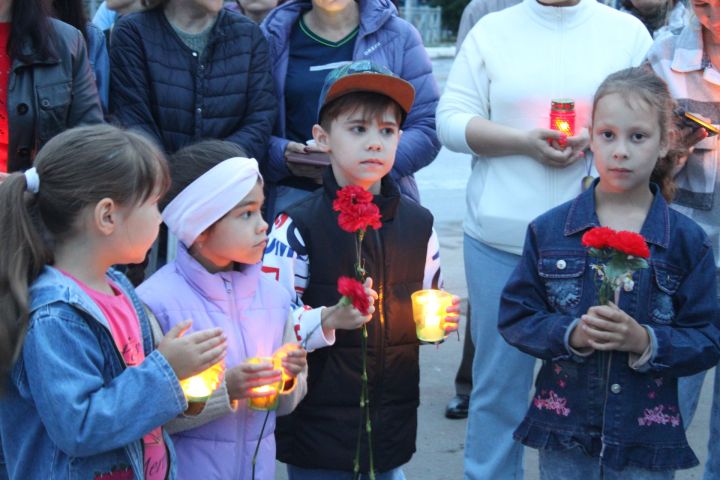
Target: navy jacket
{"type": "Point", "coordinates": [625, 416]}
{"type": "Point", "coordinates": [161, 86]}
{"type": "Point", "coordinates": [387, 40]}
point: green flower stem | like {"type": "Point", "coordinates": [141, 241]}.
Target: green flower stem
{"type": "Point", "coordinates": [257, 445]}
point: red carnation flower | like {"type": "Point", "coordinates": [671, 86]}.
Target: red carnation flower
{"type": "Point", "coordinates": [357, 212]}
{"type": "Point", "coordinates": [630, 243]}
{"type": "Point", "coordinates": [355, 293]}
{"type": "Point", "coordinates": [598, 237]}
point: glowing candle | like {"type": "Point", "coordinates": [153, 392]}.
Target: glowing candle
{"type": "Point", "coordinates": [268, 397]}
{"type": "Point", "coordinates": [198, 388]}
{"type": "Point", "coordinates": [562, 116]}
{"type": "Point", "coordinates": [429, 312]}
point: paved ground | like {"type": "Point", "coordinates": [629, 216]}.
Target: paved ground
{"type": "Point", "coordinates": [441, 442]}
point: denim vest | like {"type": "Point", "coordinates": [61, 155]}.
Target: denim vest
{"type": "Point", "coordinates": [622, 415]}
{"type": "Point", "coordinates": [71, 408]}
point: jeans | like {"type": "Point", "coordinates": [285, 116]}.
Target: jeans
{"type": "Point", "coordinates": [573, 464]}
{"type": "Point", "coordinates": [689, 394]}
{"type": "Point", "coordinates": [297, 473]}
{"type": "Point", "coordinates": [502, 375]}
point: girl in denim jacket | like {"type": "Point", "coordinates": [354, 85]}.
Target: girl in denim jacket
{"type": "Point", "coordinates": [88, 392]}
{"type": "Point", "coordinates": [605, 402]}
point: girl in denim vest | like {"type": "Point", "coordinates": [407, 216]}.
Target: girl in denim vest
{"type": "Point", "coordinates": [88, 392]}
{"type": "Point", "coordinates": [605, 402]}
{"type": "Point", "coordinates": [216, 279]}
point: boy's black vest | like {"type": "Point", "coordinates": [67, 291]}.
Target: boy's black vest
{"type": "Point", "coordinates": [322, 431]}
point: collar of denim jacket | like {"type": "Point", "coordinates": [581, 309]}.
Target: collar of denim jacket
{"type": "Point", "coordinates": [52, 287]}
{"type": "Point", "coordinates": [656, 228]}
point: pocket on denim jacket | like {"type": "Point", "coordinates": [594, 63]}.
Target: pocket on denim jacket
{"type": "Point", "coordinates": [562, 275]}
{"type": "Point", "coordinates": [53, 102]}
{"type": "Point", "coordinates": [666, 281]}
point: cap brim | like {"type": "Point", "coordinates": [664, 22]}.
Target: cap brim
{"type": "Point", "coordinates": [394, 87]}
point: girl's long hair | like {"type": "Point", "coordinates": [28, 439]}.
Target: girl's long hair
{"type": "Point", "coordinates": [73, 13]}
{"type": "Point", "coordinates": [30, 25]}
{"type": "Point", "coordinates": [77, 169]}
{"type": "Point", "coordinates": [641, 83]}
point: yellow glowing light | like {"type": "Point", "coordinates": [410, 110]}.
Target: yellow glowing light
{"type": "Point", "coordinates": [199, 387]}
{"type": "Point", "coordinates": [269, 393]}
{"type": "Point", "coordinates": [563, 126]}
{"type": "Point", "coordinates": [429, 310]}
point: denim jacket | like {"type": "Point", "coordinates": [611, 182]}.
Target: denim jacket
{"type": "Point", "coordinates": [72, 410]}
{"type": "Point", "coordinates": [625, 416]}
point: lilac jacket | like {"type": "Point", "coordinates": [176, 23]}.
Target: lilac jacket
{"type": "Point", "coordinates": [386, 40]}
{"type": "Point", "coordinates": [253, 311]}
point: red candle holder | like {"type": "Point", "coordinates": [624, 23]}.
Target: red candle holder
{"type": "Point", "coordinates": [562, 117]}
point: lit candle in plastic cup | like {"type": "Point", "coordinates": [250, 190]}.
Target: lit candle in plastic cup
{"type": "Point", "coordinates": [198, 388]}
{"type": "Point", "coordinates": [270, 392]}
{"type": "Point", "coordinates": [429, 311]}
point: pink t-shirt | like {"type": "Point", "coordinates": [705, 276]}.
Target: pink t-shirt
{"type": "Point", "coordinates": [125, 329]}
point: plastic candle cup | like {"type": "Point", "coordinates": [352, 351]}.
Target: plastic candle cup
{"type": "Point", "coordinates": [429, 312]}
{"type": "Point", "coordinates": [562, 116]}
{"type": "Point", "coordinates": [270, 392]}
{"type": "Point", "coordinates": [198, 388]}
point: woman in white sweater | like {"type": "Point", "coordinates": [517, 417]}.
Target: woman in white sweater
{"type": "Point", "coordinates": [496, 106]}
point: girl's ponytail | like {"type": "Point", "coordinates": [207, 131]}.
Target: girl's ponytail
{"type": "Point", "coordinates": [23, 254]}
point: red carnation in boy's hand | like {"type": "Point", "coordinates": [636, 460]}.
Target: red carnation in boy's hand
{"type": "Point", "coordinates": [598, 237]}
{"type": "Point", "coordinates": [354, 292]}
{"type": "Point", "coordinates": [630, 243]}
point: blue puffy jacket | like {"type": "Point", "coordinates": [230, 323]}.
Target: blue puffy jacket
{"type": "Point", "coordinates": [386, 40]}
{"type": "Point", "coordinates": [161, 86]}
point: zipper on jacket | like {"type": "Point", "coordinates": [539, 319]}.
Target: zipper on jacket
{"type": "Point", "coordinates": [381, 328]}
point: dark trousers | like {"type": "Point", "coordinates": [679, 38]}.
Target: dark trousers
{"type": "Point", "coordinates": [463, 379]}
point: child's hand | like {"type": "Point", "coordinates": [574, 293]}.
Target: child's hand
{"type": "Point", "coordinates": [191, 354]}
{"type": "Point", "coordinates": [239, 380]}
{"type": "Point", "coordinates": [294, 358]}
{"type": "Point", "coordinates": [609, 328]}
{"type": "Point", "coordinates": [453, 316]}
{"type": "Point", "coordinates": [347, 317]}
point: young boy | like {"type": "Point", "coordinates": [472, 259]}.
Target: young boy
{"type": "Point", "coordinates": [361, 109]}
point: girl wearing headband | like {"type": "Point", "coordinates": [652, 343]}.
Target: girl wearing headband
{"type": "Point", "coordinates": [215, 279]}
{"type": "Point", "coordinates": [88, 391]}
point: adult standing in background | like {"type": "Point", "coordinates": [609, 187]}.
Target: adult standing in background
{"type": "Point", "coordinates": [108, 12]}
{"type": "Point", "coordinates": [189, 70]}
{"type": "Point", "coordinates": [689, 63]}
{"type": "Point", "coordinates": [496, 106]}
{"type": "Point", "coordinates": [457, 407]}
{"type": "Point", "coordinates": [50, 86]}
{"type": "Point", "coordinates": [255, 10]}
{"type": "Point", "coordinates": [73, 13]}
{"type": "Point", "coordinates": [308, 39]}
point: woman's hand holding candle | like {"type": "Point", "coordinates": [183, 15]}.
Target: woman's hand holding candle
{"type": "Point", "coordinates": [241, 379]}
{"type": "Point", "coordinates": [576, 143]}
{"type": "Point", "coordinates": [453, 315]}
{"type": "Point", "coordinates": [538, 145]}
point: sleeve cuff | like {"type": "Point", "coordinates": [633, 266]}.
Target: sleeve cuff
{"type": "Point", "coordinates": [312, 325]}
{"type": "Point", "coordinates": [585, 352]}
{"type": "Point", "coordinates": [642, 363]}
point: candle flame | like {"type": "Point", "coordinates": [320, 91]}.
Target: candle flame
{"type": "Point", "coordinates": [563, 126]}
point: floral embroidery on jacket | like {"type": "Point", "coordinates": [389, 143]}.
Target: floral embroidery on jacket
{"type": "Point", "coordinates": [658, 416]}
{"type": "Point", "coordinates": [552, 402]}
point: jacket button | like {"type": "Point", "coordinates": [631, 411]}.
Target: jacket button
{"type": "Point", "coordinates": [561, 264]}
{"type": "Point", "coordinates": [199, 110]}
{"type": "Point", "coordinates": [194, 54]}
{"type": "Point", "coordinates": [22, 108]}
{"type": "Point", "coordinates": [45, 102]}
{"type": "Point", "coordinates": [23, 151]}
{"type": "Point", "coordinates": [615, 388]}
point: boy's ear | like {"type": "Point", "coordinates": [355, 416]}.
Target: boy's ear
{"type": "Point", "coordinates": [320, 135]}
{"type": "Point", "coordinates": [105, 216]}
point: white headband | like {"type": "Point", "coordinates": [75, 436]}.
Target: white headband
{"type": "Point", "coordinates": [210, 197]}
{"type": "Point", "coordinates": [33, 180]}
